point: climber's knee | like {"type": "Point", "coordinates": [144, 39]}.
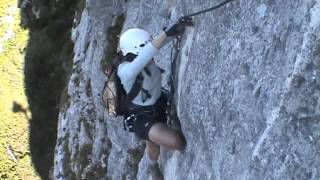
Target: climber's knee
{"type": "Point", "coordinates": [167, 137]}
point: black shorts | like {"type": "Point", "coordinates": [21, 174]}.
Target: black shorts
{"type": "Point", "coordinates": [145, 118]}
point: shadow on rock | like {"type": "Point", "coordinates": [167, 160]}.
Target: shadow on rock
{"type": "Point", "coordinates": [48, 63]}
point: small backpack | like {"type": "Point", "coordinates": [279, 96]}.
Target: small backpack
{"type": "Point", "coordinates": [114, 95]}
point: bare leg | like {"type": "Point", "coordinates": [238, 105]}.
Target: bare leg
{"type": "Point", "coordinates": [167, 137]}
{"type": "Point", "coordinates": [153, 151]}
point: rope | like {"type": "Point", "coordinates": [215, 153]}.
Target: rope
{"type": "Point", "coordinates": [206, 10]}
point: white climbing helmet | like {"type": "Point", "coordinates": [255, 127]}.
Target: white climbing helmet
{"type": "Point", "coordinates": [133, 40]}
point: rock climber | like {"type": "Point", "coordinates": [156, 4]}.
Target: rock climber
{"type": "Point", "coordinates": [147, 109]}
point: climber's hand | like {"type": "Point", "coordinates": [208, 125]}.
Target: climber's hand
{"type": "Point", "coordinates": [178, 28]}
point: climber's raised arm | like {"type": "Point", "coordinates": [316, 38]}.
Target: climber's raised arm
{"type": "Point", "coordinates": [139, 47]}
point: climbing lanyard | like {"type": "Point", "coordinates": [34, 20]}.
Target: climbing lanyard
{"type": "Point", "coordinates": [207, 10]}
{"type": "Point", "coordinates": [176, 44]}
{"type": "Point", "coordinates": [170, 108]}
{"type": "Point", "coordinates": [176, 49]}
{"type": "Point", "coordinates": [173, 57]}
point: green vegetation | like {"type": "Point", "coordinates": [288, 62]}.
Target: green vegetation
{"type": "Point", "coordinates": [15, 160]}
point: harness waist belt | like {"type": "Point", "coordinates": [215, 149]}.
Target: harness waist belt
{"type": "Point", "coordinates": [152, 110]}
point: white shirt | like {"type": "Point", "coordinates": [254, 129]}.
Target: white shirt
{"type": "Point", "coordinates": [128, 72]}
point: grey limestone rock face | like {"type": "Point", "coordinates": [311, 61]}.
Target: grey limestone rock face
{"type": "Point", "coordinates": [247, 92]}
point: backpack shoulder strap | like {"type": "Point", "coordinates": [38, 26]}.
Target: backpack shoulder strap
{"type": "Point", "coordinates": [136, 88]}
{"type": "Point", "coordinates": [137, 85]}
